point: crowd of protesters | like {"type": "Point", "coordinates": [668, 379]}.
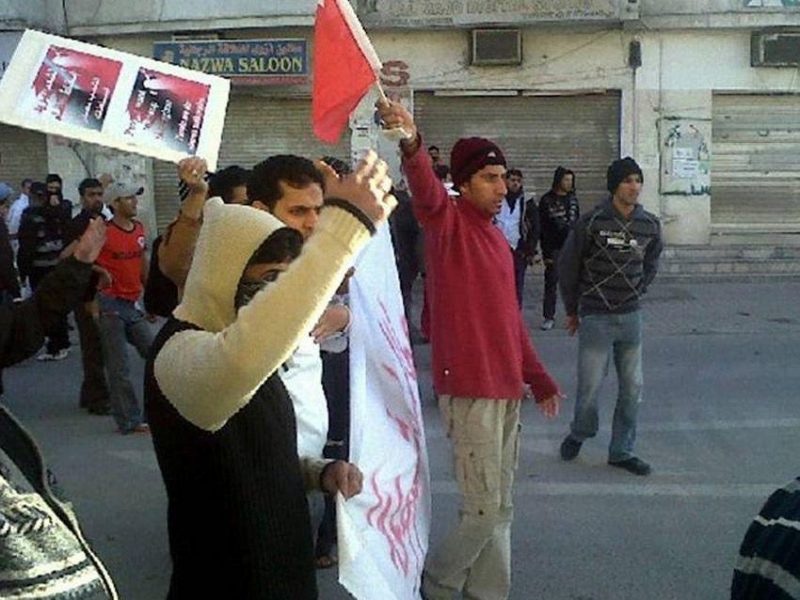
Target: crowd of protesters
{"type": "Point", "coordinates": [246, 389]}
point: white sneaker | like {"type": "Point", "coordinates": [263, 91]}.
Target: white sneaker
{"type": "Point", "coordinates": [61, 354]}
{"type": "Point", "coordinates": [547, 324]}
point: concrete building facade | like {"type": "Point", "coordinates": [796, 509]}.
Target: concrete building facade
{"type": "Point", "coordinates": [705, 94]}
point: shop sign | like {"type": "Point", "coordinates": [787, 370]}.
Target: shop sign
{"type": "Point", "coordinates": [253, 62]}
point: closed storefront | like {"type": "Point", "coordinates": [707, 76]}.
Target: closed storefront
{"type": "Point", "coordinates": [536, 133]}
{"type": "Point", "coordinates": [23, 154]}
{"type": "Point", "coordinates": [256, 127]}
{"type": "Point", "coordinates": [755, 169]}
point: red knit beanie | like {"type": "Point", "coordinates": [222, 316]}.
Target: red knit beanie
{"type": "Point", "coordinates": [470, 155]}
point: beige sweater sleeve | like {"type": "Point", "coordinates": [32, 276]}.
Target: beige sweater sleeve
{"type": "Point", "coordinates": [209, 376]}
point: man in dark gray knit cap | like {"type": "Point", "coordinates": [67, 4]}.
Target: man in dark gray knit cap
{"type": "Point", "coordinates": [606, 264]}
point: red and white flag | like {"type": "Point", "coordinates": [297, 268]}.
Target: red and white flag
{"type": "Point", "coordinates": [345, 67]}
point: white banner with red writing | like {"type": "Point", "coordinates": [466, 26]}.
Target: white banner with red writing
{"type": "Point", "coordinates": [383, 532]}
{"type": "Point", "coordinates": [106, 97]}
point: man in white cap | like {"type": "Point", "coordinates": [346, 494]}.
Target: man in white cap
{"type": "Point", "coordinates": [123, 268]}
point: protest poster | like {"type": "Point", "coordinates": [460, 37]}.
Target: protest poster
{"type": "Point", "coordinates": [383, 531]}
{"type": "Point", "coordinates": [106, 97]}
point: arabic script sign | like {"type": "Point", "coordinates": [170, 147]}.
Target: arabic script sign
{"type": "Point", "coordinates": [264, 62]}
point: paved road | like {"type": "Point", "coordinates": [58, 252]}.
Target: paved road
{"type": "Point", "coordinates": [720, 423]}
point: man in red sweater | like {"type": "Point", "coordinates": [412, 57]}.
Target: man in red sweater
{"type": "Point", "coordinates": [482, 356]}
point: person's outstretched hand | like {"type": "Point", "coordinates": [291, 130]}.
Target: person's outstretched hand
{"type": "Point", "coordinates": [366, 188]}
{"type": "Point", "coordinates": [335, 319]}
{"type": "Point", "coordinates": [91, 242]}
{"type": "Point", "coordinates": [572, 324]}
{"type": "Point", "coordinates": [549, 407]}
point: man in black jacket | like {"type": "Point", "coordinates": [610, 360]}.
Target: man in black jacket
{"type": "Point", "coordinates": [43, 552]}
{"type": "Point", "coordinates": [606, 264]}
{"type": "Point", "coordinates": [558, 211]}
{"type": "Point", "coordinates": [94, 388]}
{"type": "Point", "coordinates": [42, 232]}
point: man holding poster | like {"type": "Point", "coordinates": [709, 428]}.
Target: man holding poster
{"type": "Point", "coordinates": [481, 352]}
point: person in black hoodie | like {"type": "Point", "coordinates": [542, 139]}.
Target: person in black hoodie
{"type": "Point", "coordinates": [223, 424]}
{"type": "Point", "coordinates": [42, 232]}
{"type": "Point", "coordinates": [558, 211]}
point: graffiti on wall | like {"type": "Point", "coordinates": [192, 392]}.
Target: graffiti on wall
{"type": "Point", "coordinates": [685, 157]}
{"type": "Point", "coordinates": [771, 3]}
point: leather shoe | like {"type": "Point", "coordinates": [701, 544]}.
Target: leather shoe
{"type": "Point", "coordinates": [633, 465]}
{"type": "Point", "coordinates": [570, 448]}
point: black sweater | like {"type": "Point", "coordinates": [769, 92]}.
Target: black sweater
{"type": "Point", "coordinates": [238, 518]}
{"type": "Point", "coordinates": [768, 567]}
{"type": "Point", "coordinates": [42, 231]}
{"type": "Point", "coordinates": [608, 261]}
{"type": "Point", "coordinates": [557, 214]}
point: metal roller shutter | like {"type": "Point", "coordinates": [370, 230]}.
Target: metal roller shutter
{"type": "Point", "coordinates": [536, 133]}
{"type": "Point", "coordinates": [24, 155]}
{"type": "Point", "coordinates": [255, 128]}
{"type": "Point", "coordinates": [755, 171]}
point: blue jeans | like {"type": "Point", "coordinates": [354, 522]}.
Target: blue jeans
{"type": "Point", "coordinates": [121, 323]}
{"type": "Point", "coordinates": [600, 337]}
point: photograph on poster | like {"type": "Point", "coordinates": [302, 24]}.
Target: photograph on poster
{"type": "Point", "coordinates": [73, 87]}
{"type": "Point", "coordinates": [132, 103]}
{"type": "Point", "coordinates": [166, 109]}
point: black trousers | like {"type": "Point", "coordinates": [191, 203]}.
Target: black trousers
{"type": "Point", "coordinates": [58, 336]}
{"type": "Point", "coordinates": [550, 286]}
{"type": "Point", "coordinates": [336, 383]}
{"type": "Point", "coordinates": [94, 389]}
{"type": "Point", "coordinates": [520, 265]}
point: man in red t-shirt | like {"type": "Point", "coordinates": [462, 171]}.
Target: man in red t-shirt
{"type": "Point", "coordinates": [123, 269]}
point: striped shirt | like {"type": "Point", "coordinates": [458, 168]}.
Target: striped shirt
{"type": "Point", "coordinates": [768, 566]}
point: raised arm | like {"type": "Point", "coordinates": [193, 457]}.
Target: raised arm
{"type": "Point", "coordinates": [209, 376]}
{"type": "Point", "coordinates": [177, 247]}
{"type": "Point", "coordinates": [429, 198]}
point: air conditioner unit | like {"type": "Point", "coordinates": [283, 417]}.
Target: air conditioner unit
{"type": "Point", "coordinates": [496, 47]}
{"type": "Point", "coordinates": [775, 49]}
